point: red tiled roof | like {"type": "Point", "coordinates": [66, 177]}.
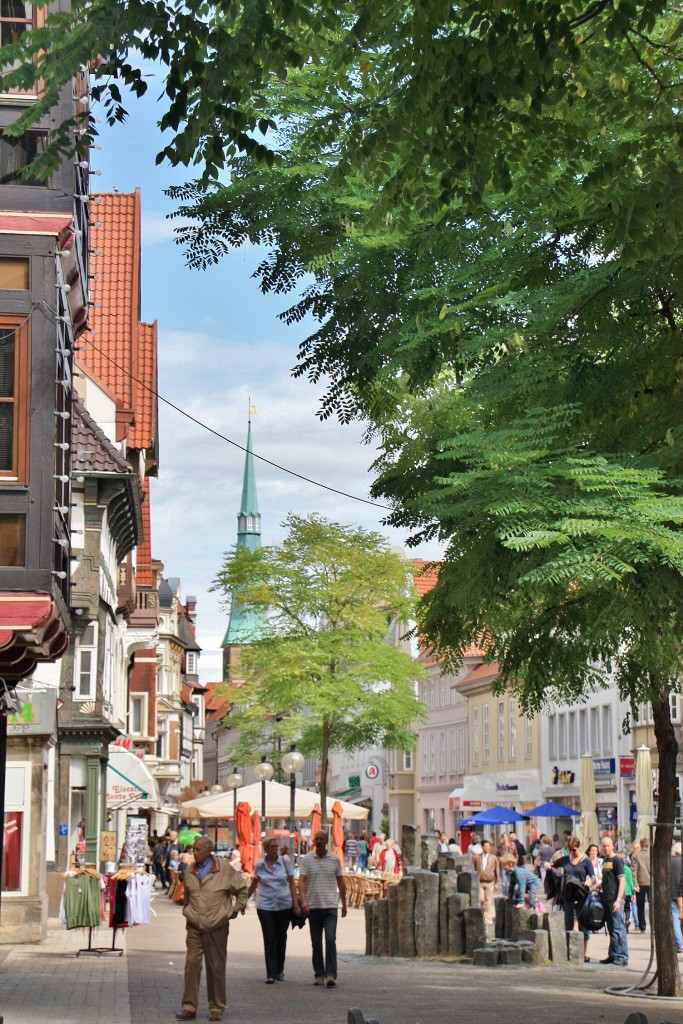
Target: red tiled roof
{"type": "Point", "coordinates": [425, 576]}
{"type": "Point", "coordinates": [118, 347]}
{"type": "Point", "coordinates": [186, 693]}
{"type": "Point", "coordinates": [482, 672]}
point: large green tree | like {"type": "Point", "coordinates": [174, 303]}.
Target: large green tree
{"type": "Point", "coordinates": [483, 204]}
{"type": "Point", "coordinates": [326, 673]}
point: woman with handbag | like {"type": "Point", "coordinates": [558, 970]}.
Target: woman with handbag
{"type": "Point", "coordinates": [277, 900]}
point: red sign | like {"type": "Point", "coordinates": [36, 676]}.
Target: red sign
{"type": "Point", "coordinates": [472, 803]}
{"type": "Point", "coordinates": [627, 767]}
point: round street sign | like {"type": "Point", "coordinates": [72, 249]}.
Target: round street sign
{"type": "Point", "coordinates": [372, 770]}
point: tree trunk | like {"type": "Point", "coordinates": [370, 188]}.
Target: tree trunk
{"type": "Point", "coordinates": [668, 977]}
{"type": "Point", "coordinates": [324, 765]}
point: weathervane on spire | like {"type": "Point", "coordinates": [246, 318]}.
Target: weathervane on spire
{"type": "Point", "coordinates": [251, 411]}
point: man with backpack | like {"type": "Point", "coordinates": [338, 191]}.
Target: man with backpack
{"type": "Point", "coordinates": [612, 896]}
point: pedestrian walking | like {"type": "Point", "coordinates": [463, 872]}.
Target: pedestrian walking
{"type": "Point", "coordinates": [487, 867]}
{"type": "Point", "coordinates": [351, 852]}
{"type": "Point", "coordinates": [640, 866]}
{"type": "Point", "coordinates": [321, 886]}
{"type": "Point", "coordinates": [578, 867]}
{"type": "Point", "coordinates": [214, 894]}
{"type": "Point", "coordinates": [276, 900]}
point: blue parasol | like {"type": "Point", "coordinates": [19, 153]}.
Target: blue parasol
{"type": "Point", "coordinates": [553, 810]}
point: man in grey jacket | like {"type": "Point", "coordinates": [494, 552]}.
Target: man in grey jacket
{"type": "Point", "coordinates": [215, 893]}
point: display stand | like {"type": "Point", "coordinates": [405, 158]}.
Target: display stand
{"type": "Point", "coordinates": [100, 950]}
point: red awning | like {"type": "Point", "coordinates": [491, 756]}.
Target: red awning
{"type": "Point", "coordinates": [31, 630]}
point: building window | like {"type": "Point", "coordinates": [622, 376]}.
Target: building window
{"type": "Point", "coordinates": [573, 739]}
{"type": "Point", "coordinates": [475, 736]}
{"type": "Point", "coordinates": [595, 732]}
{"type": "Point", "coordinates": [501, 730]}
{"type": "Point", "coordinates": [13, 274]}
{"type": "Point", "coordinates": [528, 745]}
{"type": "Point", "coordinates": [552, 736]}
{"type": "Point", "coordinates": [15, 852]}
{"type": "Point", "coordinates": [85, 664]}
{"type": "Point", "coordinates": [191, 663]}
{"type": "Point", "coordinates": [432, 694]}
{"type": "Point", "coordinates": [425, 756]}
{"type": "Point", "coordinates": [442, 753]}
{"type": "Point", "coordinates": [675, 705]}
{"type": "Point", "coordinates": [15, 19]}
{"type": "Point", "coordinates": [15, 154]}
{"type": "Point", "coordinates": [485, 735]}
{"type": "Point", "coordinates": [15, 369]}
{"type": "Point", "coordinates": [454, 751]}
{"type": "Point", "coordinates": [432, 754]}
{"type": "Point", "coordinates": [461, 748]}
{"type": "Point", "coordinates": [512, 715]}
{"type": "Point", "coordinates": [442, 692]}
{"type": "Point", "coordinates": [408, 761]}
{"type": "Point", "coordinates": [138, 715]}
{"type": "Point", "coordinates": [12, 539]}
{"type": "Point", "coordinates": [583, 731]}
{"type": "Point", "coordinates": [562, 736]}
{"type": "Point", "coordinates": [607, 730]}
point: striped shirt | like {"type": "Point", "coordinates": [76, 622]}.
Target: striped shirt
{"type": "Point", "coordinates": [321, 874]}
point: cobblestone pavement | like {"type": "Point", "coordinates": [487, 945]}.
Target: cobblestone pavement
{"type": "Point", "coordinates": [49, 982]}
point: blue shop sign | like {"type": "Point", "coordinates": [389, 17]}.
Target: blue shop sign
{"type": "Point", "coordinates": [604, 765]}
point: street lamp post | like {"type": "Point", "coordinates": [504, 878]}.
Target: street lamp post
{"type": "Point", "coordinates": [264, 773]}
{"type": "Point", "coordinates": [215, 790]}
{"type": "Point", "coordinates": [292, 762]}
{"type": "Point", "coordinates": [234, 782]}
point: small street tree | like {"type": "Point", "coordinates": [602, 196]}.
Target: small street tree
{"type": "Point", "coordinates": [326, 673]}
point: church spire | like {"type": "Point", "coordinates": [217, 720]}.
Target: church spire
{"type": "Point", "coordinates": [246, 624]}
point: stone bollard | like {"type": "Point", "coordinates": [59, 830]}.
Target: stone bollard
{"type": "Point", "coordinates": [485, 957]}
{"type": "Point", "coordinates": [522, 923]}
{"type": "Point", "coordinates": [541, 947]}
{"type": "Point", "coordinates": [429, 853]}
{"type": "Point", "coordinates": [500, 919]}
{"type": "Point", "coordinates": [406, 916]}
{"type": "Point", "coordinates": [380, 928]}
{"type": "Point", "coordinates": [448, 886]}
{"type": "Point", "coordinates": [510, 955]}
{"type": "Point", "coordinates": [475, 929]}
{"type": "Point", "coordinates": [457, 905]}
{"type": "Point", "coordinates": [392, 900]}
{"type": "Point", "coordinates": [575, 948]}
{"type": "Point", "coordinates": [426, 913]}
{"type": "Point", "coordinates": [410, 846]}
{"type": "Point", "coordinates": [445, 862]}
{"type": "Point", "coordinates": [369, 908]}
{"type": "Point", "coordinates": [553, 922]}
{"type": "Point", "coordinates": [468, 882]}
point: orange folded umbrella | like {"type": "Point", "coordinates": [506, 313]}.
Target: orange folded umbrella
{"type": "Point", "coordinates": [337, 831]}
{"type": "Point", "coordinates": [316, 821]}
{"type": "Point", "coordinates": [245, 835]}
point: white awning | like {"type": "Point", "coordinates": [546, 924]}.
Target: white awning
{"type": "Point", "coordinates": [278, 798]}
{"type": "Point", "coordinates": [130, 783]}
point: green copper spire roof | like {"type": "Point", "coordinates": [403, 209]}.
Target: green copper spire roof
{"type": "Point", "coordinates": [246, 625]}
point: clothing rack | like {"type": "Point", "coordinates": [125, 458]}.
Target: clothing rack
{"type": "Point", "coordinates": [100, 950]}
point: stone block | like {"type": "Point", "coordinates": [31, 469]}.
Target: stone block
{"type": "Point", "coordinates": [426, 913]}
{"type": "Point", "coordinates": [541, 947]}
{"type": "Point", "coordinates": [637, 1018]}
{"type": "Point", "coordinates": [410, 845]}
{"type": "Point", "coordinates": [521, 923]}
{"type": "Point", "coordinates": [369, 908]}
{"type": "Point", "coordinates": [380, 928]}
{"type": "Point", "coordinates": [487, 956]}
{"type": "Point", "coordinates": [510, 955]}
{"type": "Point", "coordinates": [448, 886]}
{"type": "Point", "coordinates": [500, 919]}
{"type": "Point", "coordinates": [456, 905]}
{"type": "Point", "coordinates": [392, 900]}
{"type": "Point", "coordinates": [554, 924]}
{"type": "Point", "coordinates": [429, 853]}
{"type": "Point", "coordinates": [445, 862]}
{"type": "Point", "coordinates": [468, 882]}
{"type": "Point", "coordinates": [575, 948]}
{"type": "Point", "coordinates": [475, 929]}
{"type": "Point", "coordinates": [406, 916]}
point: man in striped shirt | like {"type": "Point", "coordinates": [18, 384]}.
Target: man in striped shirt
{"type": "Point", "coordinates": [321, 885]}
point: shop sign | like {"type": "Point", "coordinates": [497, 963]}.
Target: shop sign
{"type": "Point", "coordinates": [562, 776]}
{"type": "Point", "coordinates": [63, 830]}
{"type": "Point", "coordinates": [38, 716]}
{"type": "Point", "coordinates": [107, 845]}
{"type": "Point", "coordinates": [454, 803]}
{"type": "Point", "coordinates": [506, 787]}
{"type": "Point", "coordinates": [371, 772]}
{"type": "Point", "coordinates": [627, 767]}
{"type": "Point", "coordinates": [472, 803]}
{"type": "Point", "coordinates": [604, 765]}
{"type": "Point", "coordinates": [354, 781]}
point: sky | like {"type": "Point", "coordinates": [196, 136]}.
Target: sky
{"type": "Point", "coordinates": [222, 347]}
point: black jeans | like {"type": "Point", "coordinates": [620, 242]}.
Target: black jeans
{"type": "Point", "coordinates": [642, 896]}
{"type": "Point", "coordinates": [274, 925]}
{"type": "Point", "coordinates": [324, 921]}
